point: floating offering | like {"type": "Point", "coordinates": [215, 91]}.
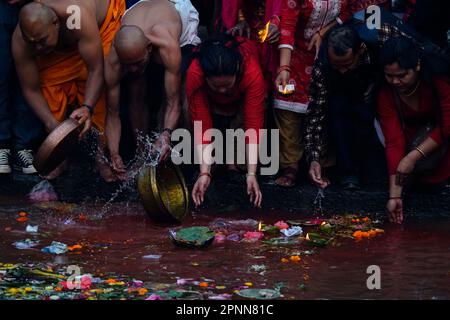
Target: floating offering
{"type": "Point", "coordinates": [260, 294]}
{"type": "Point", "coordinates": [193, 237]}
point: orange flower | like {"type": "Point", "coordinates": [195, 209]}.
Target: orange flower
{"type": "Point", "coordinates": [109, 281]}
{"type": "Point", "coordinates": [295, 258]}
{"type": "Point", "coordinates": [372, 233]}
{"type": "Point", "coordinates": [365, 234]}
{"type": "Point", "coordinates": [74, 247]}
{"type": "Point", "coordinates": [22, 214]}
{"type": "Point", "coordinates": [284, 260]}
{"type": "Point", "coordinates": [357, 234]}
{"type": "Point", "coordinates": [142, 291]}
{"type": "Point", "coordinates": [22, 219]}
{"type": "Point", "coordinates": [58, 289]}
{"type": "Point", "coordinates": [203, 284]}
{"type": "Point", "coordinates": [366, 219]}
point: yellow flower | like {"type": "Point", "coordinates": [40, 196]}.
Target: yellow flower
{"type": "Point", "coordinates": [249, 284]}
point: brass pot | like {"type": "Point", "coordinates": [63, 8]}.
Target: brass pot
{"type": "Point", "coordinates": [164, 193]}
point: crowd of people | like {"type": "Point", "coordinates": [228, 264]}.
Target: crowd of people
{"type": "Point", "coordinates": [336, 87]}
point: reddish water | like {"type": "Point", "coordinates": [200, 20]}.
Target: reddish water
{"type": "Point", "coordinates": [414, 258]}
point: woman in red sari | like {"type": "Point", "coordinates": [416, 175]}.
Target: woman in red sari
{"type": "Point", "coordinates": [411, 101]}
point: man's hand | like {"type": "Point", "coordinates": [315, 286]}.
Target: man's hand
{"type": "Point", "coordinates": [83, 116]}
{"type": "Point", "coordinates": [315, 173]}
{"type": "Point", "coordinates": [404, 169]}
{"type": "Point", "coordinates": [118, 167]}
{"type": "Point", "coordinates": [163, 146]}
{"type": "Point", "coordinates": [274, 33]}
{"type": "Point", "coordinates": [253, 191]}
{"type": "Point", "coordinates": [241, 29]}
{"type": "Point", "coordinates": [199, 190]}
{"type": "Point", "coordinates": [395, 210]}
{"type": "Point", "coordinates": [316, 42]}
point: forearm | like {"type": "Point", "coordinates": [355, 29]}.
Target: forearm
{"type": "Point", "coordinates": [94, 87]}
{"type": "Point", "coordinates": [40, 107]}
{"type": "Point", "coordinates": [427, 147]}
{"type": "Point", "coordinates": [395, 191]}
{"type": "Point", "coordinates": [113, 132]}
{"type": "Point", "coordinates": [172, 114]}
{"type": "Point", "coordinates": [285, 57]}
{"type": "Point", "coordinates": [252, 157]}
{"type": "Point", "coordinates": [204, 156]}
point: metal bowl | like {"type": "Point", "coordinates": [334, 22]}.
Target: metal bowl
{"type": "Point", "coordinates": [164, 193]}
{"type": "Point", "coordinates": [56, 147]}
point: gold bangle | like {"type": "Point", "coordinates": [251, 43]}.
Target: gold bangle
{"type": "Point", "coordinates": [421, 152]}
{"type": "Point", "coordinates": [250, 174]}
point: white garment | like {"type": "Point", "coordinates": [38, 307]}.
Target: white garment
{"type": "Point", "coordinates": [189, 20]}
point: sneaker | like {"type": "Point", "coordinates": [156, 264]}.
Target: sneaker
{"type": "Point", "coordinates": [25, 159]}
{"type": "Point", "coordinates": [4, 161]}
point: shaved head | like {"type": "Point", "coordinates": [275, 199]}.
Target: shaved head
{"type": "Point", "coordinates": [39, 25]}
{"type": "Point", "coordinates": [36, 17]}
{"type": "Point", "coordinates": [131, 42]}
{"type": "Point", "coordinates": [133, 48]}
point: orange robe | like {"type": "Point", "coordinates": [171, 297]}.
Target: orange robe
{"type": "Point", "coordinates": [63, 76]}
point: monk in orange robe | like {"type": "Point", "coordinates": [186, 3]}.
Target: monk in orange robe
{"type": "Point", "coordinates": [59, 48]}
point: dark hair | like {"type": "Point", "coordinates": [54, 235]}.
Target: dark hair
{"type": "Point", "coordinates": [343, 38]}
{"type": "Point", "coordinates": [401, 50]}
{"type": "Point", "coordinates": [220, 56]}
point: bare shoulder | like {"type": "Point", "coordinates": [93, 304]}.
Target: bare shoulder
{"type": "Point", "coordinates": [165, 35]}
{"type": "Point", "coordinates": [19, 46]}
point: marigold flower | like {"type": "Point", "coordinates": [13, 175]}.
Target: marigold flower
{"type": "Point", "coordinates": [295, 258]}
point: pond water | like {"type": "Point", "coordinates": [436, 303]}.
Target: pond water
{"type": "Point", "coordinates": [414, 259]}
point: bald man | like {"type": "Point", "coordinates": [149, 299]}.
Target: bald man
{"type": "Point", "coordinates": [152, 31]}
{"type": "Point", "coordinates": [58, 48]}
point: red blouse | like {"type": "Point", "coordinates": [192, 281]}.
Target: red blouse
{"type": "Point", "coordinates": [397, 139]}
{"type": "Point", "coordinates": [301, 19]}
{"type": "Point", "coordinates": [248, 94]}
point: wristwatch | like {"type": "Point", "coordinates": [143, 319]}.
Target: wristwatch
{"type": "Point", "coordinates": [90, 108]}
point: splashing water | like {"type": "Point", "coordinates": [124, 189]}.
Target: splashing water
{"type": "Point", "coordinates": [148, 154]}
{"type": "Point", "coordinates": [318, 201]}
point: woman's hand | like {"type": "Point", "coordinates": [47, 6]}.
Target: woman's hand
{"type": "Point", "coordinates": [316, 42]}
{"type": "Point", "coordinates": [274, 33]}
{"type": "Point", "coordinates": [253, 191]}
{"type": "Point", "coordinates": [315, 173]}
{"type": "Point", "coordinates": [241, 28]}
{"type": "Point", "coordinates": [199, 190]}
{"type": "Point", "coordinates": [404, 169]}
{"type": "Point", "coordinates": [282, 79]}
{"type": "Point", "coordinates": [395, 210]}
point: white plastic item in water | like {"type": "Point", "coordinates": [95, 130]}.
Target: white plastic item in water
{"type": "Point", "coordinates": [43, 192]}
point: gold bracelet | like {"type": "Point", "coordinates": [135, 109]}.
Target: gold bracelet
{"type": "Point", "coordinates": [421, 152]}
{"type": "Point", "coordinates": [250, 174]}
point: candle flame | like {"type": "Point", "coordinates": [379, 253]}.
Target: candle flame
{"type": "Point", "coordinates": [323, 223]}
{"type": "Point", "coordinates": [262, 34]}
{"type": "Point", "coordinates": [307, 236]}
{"type": "Point", "coordinates": [259, 226]}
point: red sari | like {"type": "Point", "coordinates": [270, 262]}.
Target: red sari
{"type": "Point", "coordinates": [396, 139]}
{"type": "Point", "coordinates": [300, 21]}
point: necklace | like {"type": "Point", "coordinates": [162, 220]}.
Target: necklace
{"type": "Point", "coordinates": [414, 91]}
